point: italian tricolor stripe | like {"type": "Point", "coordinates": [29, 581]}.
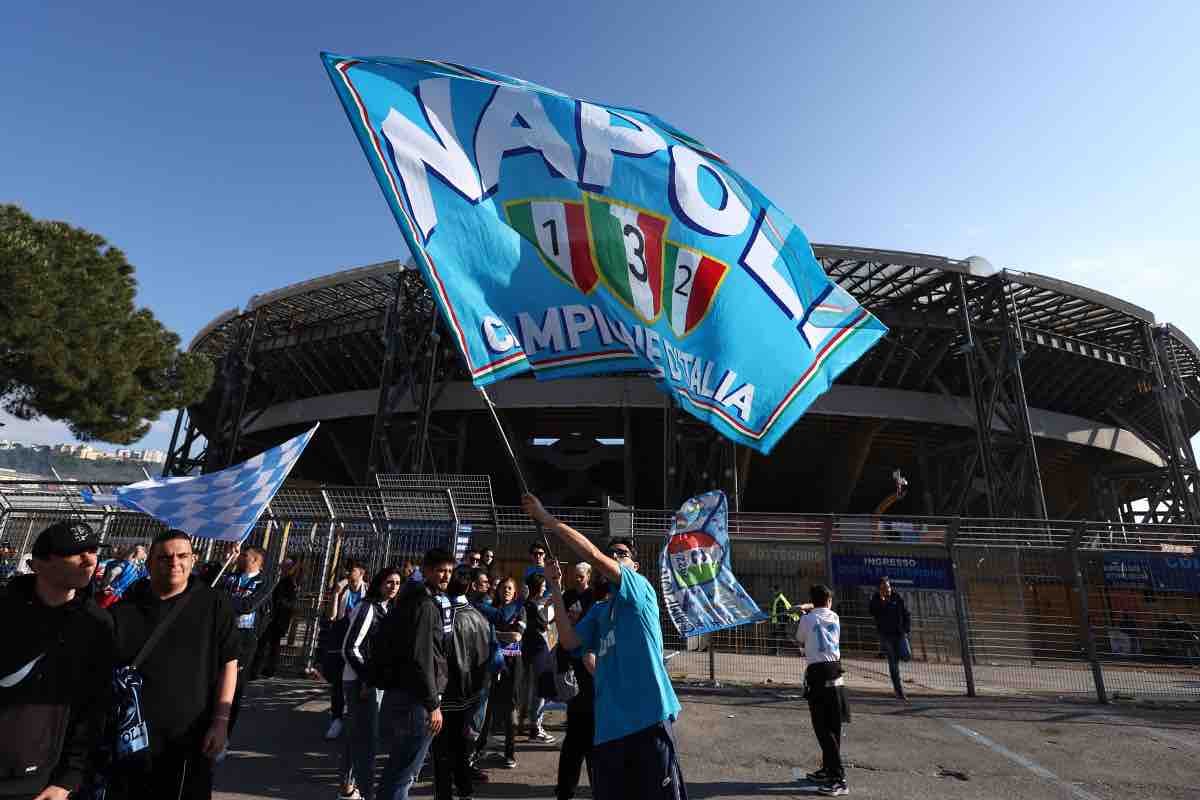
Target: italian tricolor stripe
{"type": "Point", "coordinates": [558, 229]}
{"type": "Point", "coordinates": [628, 246]}
{"type": "Point", "coordinates": [689, 294]}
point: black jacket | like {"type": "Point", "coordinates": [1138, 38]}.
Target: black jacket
{"type": "Point", "coordinates": [284, 599]}
{"type": "Point", "coordinates": [468, 654]}
{"type": "Point", "coordinates": [409, 652]}
{"type": "Point", "coordinates": [533, 640]}
{"type": "Point", "coordinates": [56, 670]}
{"type": "Point", "coordinates": [251, 601]}
{"type": "Point", "coordinates": [891, 615]}
{"type": "Point", "coordinates": [365, 620]}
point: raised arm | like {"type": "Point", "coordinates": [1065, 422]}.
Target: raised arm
{"type": "Point", "coordinates": [567, 636]}
{"type": "Point", "coordinates": [574, 540]}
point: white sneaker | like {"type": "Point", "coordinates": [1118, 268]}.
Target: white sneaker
{"type": "Point", "coordinates": [335, 730]}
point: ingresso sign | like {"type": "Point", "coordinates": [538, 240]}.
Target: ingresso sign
{"type": "Point", "coordinates": [915, 573]}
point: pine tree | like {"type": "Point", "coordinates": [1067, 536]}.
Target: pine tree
{"type": "Point", "coordinates": [74, 346]}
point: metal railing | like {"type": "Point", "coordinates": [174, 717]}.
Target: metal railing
{"type": "Point", "coordinates": [998, 605]}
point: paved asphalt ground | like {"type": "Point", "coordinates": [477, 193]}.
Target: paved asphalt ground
{"type": "Point", "coordinates": [736, 744]}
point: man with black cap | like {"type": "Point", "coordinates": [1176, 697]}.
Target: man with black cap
{"type": "Point", "coordinates": [55, 667]}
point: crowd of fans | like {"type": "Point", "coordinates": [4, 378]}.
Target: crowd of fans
{"type": "Point", "coordinates": [126, 677]}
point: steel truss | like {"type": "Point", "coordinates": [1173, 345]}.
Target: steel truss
{"type": "Point", "coordinates": [1006, 459]}
{"type": "Point", "coordinates": [1170, 494]}
{"type": "Point", "coordinates": [180, 460]}
{"type": "Point", "coordinates": [410, 366]}
{"type": "Point", "coordinates": [1000, 341]}
{"type": "Point", "coordinates": [237, 374]}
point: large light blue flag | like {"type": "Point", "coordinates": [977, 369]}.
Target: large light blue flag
{"type": "Point", "coordinates": [698, 587]}
{"type": "Point", "coordinates": [570, 237]}
{"type": "Point", "coordinates": [221, 505]}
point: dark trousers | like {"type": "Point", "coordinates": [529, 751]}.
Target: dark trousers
{"type": "Point", "coordinates": [642, 765]}
{"type": "Point", "coordinates": [576, 748]}
{"type": "Point", "coordinates": [485, 730]}
{"type": "Point", "coordinates": [451, 749]}
{"type": "Point", "coordinates": [825, 707]}
{"type": "Point", "coordinates": [179, 772]}
{"type": "Point", "coordinates": [331, 667]}
{"type": "Point", "coordinates": [501, 704]}
{"type": "Point", "coordinates": [266, 658]}
{"type": "Point", "coordinates": [891, 648]}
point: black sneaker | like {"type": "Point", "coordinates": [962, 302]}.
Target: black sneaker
{"type": "Point", "coordinates": [820, 776]}
{"type": "Point", "coordinates": [510, 763]}
{"type": "Point", "coordinates": [835, 789]}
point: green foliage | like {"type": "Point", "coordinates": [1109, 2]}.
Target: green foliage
{"type": "Point", "coordinates": [73, 346]}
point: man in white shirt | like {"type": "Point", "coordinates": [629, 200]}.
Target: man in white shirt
{"type": "Point", "coordinates": [820, 631]}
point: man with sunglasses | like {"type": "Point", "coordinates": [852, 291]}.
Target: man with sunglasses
{"type": "Point", "coordinates": [634, 753]}
{"type": "Point", "coordinates": [537, 566]}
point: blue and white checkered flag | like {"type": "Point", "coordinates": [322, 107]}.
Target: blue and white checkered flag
{"type": "Point", "coordinates": [222, 505]}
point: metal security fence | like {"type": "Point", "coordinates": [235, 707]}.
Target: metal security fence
{"type": "Point", "coordinates": [321, 531]}
{"type": "Point", "coordinates": [999, 606]}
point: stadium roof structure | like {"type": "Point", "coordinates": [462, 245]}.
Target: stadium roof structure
{"type": "Point", "coordinates": [1027, 356]}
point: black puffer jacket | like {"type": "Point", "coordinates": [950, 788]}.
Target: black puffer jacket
{"type": "Point", "coordinates": [56, 671]}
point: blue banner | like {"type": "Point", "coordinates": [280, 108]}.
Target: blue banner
{"type": "Point", "coordinates": [902, 571]}
{"type": "Point", "coordinates": [574, 238]}
{"type": "Point", "coordinates": [698, 587]}
{"type": "Point", "coordinates": [1170, 573]}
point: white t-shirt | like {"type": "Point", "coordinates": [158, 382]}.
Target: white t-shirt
{"type": "Point", "coordinates": [821, 632]}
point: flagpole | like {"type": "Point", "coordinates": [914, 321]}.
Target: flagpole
{"type": "Point", "coordinates": [516, 465]}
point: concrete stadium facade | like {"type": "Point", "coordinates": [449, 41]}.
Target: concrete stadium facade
{"type": "Point", "coordinates": [996, 393]}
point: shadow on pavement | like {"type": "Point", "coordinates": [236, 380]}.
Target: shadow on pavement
{"type": "Point", "coordinates": [699, 791]}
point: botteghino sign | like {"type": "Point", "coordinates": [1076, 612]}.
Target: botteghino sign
{"type": "Point", "coordinates": [570, 237]}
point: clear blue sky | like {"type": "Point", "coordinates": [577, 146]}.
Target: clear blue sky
{"type": "Point", "coordinates": [205, 140]}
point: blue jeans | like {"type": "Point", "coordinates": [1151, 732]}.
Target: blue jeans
{"type": "Point", "coordinates": [891, 647]}
{"type": "Point", "coordinates": [532, 707]}
{"type": "Point", "coordinates": [362, 741]}
{"type": "Point", "coordinates": [406, 722]}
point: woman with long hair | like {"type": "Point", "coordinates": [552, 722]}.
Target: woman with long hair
{"type": "Point", "coordinates": [510, 626]}
{"type": "Point", "coordinates": [362, 699]}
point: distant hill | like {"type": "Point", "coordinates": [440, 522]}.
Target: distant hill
{"type": "Point", "coordinates": [40, 462]}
